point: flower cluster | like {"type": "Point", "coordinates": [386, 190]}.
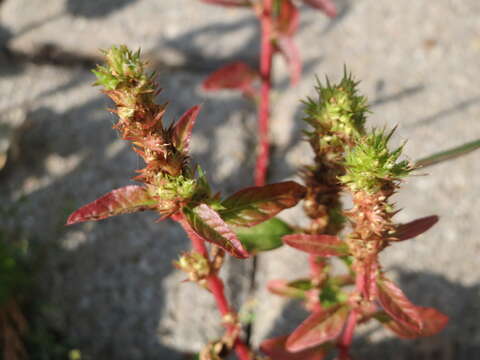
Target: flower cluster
{"type": "Point", "coordinates": [351, 160]}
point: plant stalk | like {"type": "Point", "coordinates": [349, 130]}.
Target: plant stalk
{"type": "Point", "coordinates": [266, 56]}
{"type": "Point", "coordinates": [347, 336]}
{"type": "Point", "coordinates": [215, 285]}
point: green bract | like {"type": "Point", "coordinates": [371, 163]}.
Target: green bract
{"type": "Point", "coordinates": [338, 109]}
{"type": "Point", "coordinates": [173, 187]}
{"type": "Point", "coordinates": [124, 69]}
{"type": "Point", "coordinates": [370, 163]}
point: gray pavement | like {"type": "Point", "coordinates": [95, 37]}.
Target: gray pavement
{"type": "Point", "coordinates": [110, 285]}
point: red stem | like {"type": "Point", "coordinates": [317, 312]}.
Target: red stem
{"type": "Point", "coordinates": [316, 267]}
{"type": "Point", "coordinates": [345, 341]}
{"type": "Point", "coordinates": [264, 107]}
{"type": "Point", "coordinates": [215, 285]}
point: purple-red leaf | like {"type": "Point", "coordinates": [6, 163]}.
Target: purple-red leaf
{"type": "Point", "coordinates": [286, 25]}
{"type": "Point", "coordinates": [182, 131]}
{"type": "Point", "coordinates": [327, 6]}
{"type": "Point", "coordinates": [433, 321]}
{"type": "Point", "coordinates": [234, 76]}
{"type": "Point", "coordinates": [120, 201]}
{"type": "Point", "coordinates": [414, 228]}
{"type": "Point", "coordinates": [321, 245]}
{"type": "Point", "coordinates": [291, 289]}
{"type": "Point", "coordinates": [288, 19]}
{"type": "Point", "coordinates": [397, 306]}
{"type": "Point", "coordinates": [208, 224]}
{"type": "Point", "coordinates": [275, 349]}
{"type": "Point", "coordinates": [256, 204]}
{"type": "Point", "coordinates": [227, 3]}
{"type": "Point", "coordinates": [318, 328]}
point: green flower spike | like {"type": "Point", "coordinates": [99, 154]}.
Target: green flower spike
{"type": "Point", "coordinates": [370, 164]}
{"type": "Point", "coordinates": [339, 108]}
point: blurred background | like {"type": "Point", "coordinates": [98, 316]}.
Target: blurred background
{"type": "Point", "coordinates": [108, 289]}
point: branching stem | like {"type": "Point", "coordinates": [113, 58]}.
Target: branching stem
{"type": "Point", "coordinates": [215, 285]}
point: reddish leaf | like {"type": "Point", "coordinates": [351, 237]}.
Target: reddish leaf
{"type": "Point", "coordinates": [182, 131]}
{"type": "Point", "coordinates": [291, 289]}
{"type": "Point", "coordinates": [321, 245]}
{"type": "Point", "coordinates": [318, 328]}
{"type": "Point", "coordinates": [290, 52]}
{"type": "Point", "coordinates": [286, 25]}
{"type": "Point", "coordinates": [236, 76]}
{"type": "Point", "coordinates": [433, 321]}
{"type": "Point", "coordinates": [397, 306]}
{"type": "Point", "coordinates": [120, 201]}
{"type": "Point", "coordinates": [206, 223]}
{"type": "Point", "coordinates": [327, 6]}
{"type": "Point", "coordinates": [414, 228]}
{"type": "Point", "coordinates": [288, 19]}
{"type": "Point", "coordinates": [275, 349]}
{"type": "Point", "coordinates": [256, 204]}
{"type": "Point", "coordinates": [228, 3]}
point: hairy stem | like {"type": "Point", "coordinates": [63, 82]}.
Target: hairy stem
{"type": "Point", "coordinates": [215, 285]}
{"type": "Point", "coordinates": [264, 106]}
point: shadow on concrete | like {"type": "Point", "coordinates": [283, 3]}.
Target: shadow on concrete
{"type": "Point", "coordinates": [343, 9]}
{"type": "Point", "coordinates": [190, 47]}
{"type": "Point", "coordinates": [382, 98]}
{"type": "Point", "coordinates": [108, 283]}
{"type": "Point", "coordinates": [95, 8]}
{"type": "Point", "coordinates": [431, 119]}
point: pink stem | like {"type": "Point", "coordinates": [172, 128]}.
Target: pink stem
{"type": "Point", "coordinates": [215, 285]}
{"type": "Point", "coordinates": [345, 341]}
{"type": "Point", "coordinates": [316, 267]}
{"type": "Point", "coordinates": [264, 107]}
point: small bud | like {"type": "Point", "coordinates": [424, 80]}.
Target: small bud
{"type": "Point", "coordinates": [124, 70]}
{"type": "Point", "coordinates": [168, 187]}
{"type": "Point", "coordinates": [195, 265]}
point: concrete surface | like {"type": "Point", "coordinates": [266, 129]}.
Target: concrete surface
{"type": "Point", "coordinates": [110, 285]}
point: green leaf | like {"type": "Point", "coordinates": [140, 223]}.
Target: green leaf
{"type": "Point", "coordinates": [332, 294]}
{"type": "Point", "coordinates": [207, 224]}
{"type": "Point", "coordinates": [263, 237]}
{"type": "Point", "coordinates": [448, 154]}
{"type": "Point", "coordinates": [257, 204]}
